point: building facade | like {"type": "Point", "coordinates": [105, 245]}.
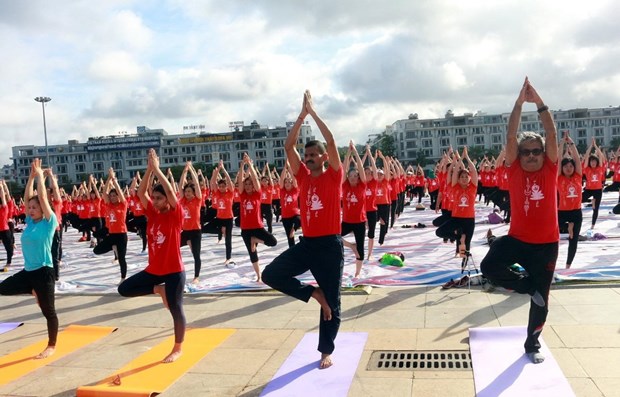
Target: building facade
{"type": "Point", "coordinates": [434, 136]}
{"type": "Point", "coordinates": [74, 161]}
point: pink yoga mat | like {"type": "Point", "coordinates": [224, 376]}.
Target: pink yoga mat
{"type": "Point", "coordinates": [300, 374]}
{"type": "Point", "coordinates": [6, 327]}
{"type": "Point", "coordinates": [501, 367]}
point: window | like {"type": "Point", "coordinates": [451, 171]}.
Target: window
{"type": "Point", "coordinates": [460, 132]}
{"type": "Point", "coordinates": [478, 140]}
{"type": "Point", "coordinates": [410, 135]}
{"type": "Point", "coordinates": [412, 144]}
{"type": "Point", "coordinates": [615, 131]}
{"type": "Point", "coordinates": [80, 167]}
{"type": "Point", "coordinates": [582, 133]}
{"type": "Point", "coordinates": [117, 165]}
{"type": "Point", "coordinates": [461, 141]}
{"type": "Point", "coordinates": [261, 154]}
{"type": "Point", "coordinates": [598, 132]}
{"type": "Point", "coordinates": [61, 169]}
{"type": "Point", "coordinates": [497, 138]}
{"type": "Point", "coordinates": [98, 166]}
{"type": "Point", "coordinates": [427, 143]}
{"type": "Point", "coordinates": [445, 142]}
{"type": "Point", "coordinates": [278, 153]}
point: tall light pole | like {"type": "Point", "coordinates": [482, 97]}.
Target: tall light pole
{"type": "Point", "coordinates": [43, 100]}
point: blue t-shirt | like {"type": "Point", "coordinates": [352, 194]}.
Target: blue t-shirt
{"type": "Point", "coordinates": [37, 242]}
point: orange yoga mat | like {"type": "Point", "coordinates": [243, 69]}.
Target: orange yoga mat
{"type": "Point", "coordinates": [21, 362]}
{"type": "Point", "coordinates": [148, 376]}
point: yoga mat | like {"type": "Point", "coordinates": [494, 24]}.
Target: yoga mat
{"type": "Point", "coordinates": [21, 362]}
{"type": "Point", "coordinates": [300, 374]}
{"type": "Point", "coordinates": [501, 367]}
{"type": "Point", "coordinates": [148, 376]}
{"type": "Point", "coordinates": [6, 327]}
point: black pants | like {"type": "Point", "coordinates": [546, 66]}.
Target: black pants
{"type": "Point", "coordinates": [142, 283]}
{"type": "Point", "coordinates": [433, 196]}
{"type": "Point", "coordinates": [393, 212]}
{"type": "Point", "coordinates": [598, 196]}
{"type": "Point", "coordinates": [538, 260]}
{"type": "Point", "coordinates": [371, 219]}
{"type": "Point", "coordinates": [383, 214]}
{"type": "Point", "coordinates": [42, 282]}
{"type": "Point", "coordinates": [290, 224]}
{"type": "Point", "coordinates": [139, 222]}
{"type": "Point", "coordinates": [277, 209]}
{"type": "Point", "coordinates": [267, 214]}
{"type": "Point", "coordinates": [443, 218]}
{"type": "Point", "coordinates": [454, 228]}
{"type": "Point", "coordinates": [57, 252]}
{"type": "Point", "coordinates": [195, 239]}
{"type": "Point", "coordinates": [419, 192]}
{"type": "Point", "coordinates": [575, 217]}
{"type": "Point", "coordinates": [260, 234]}
{"type": "Point", "coordinates": [215, 227]}
{"type": "Point", "coordinates": [5, 235]}
{"type": "Point", "coordinates": [107, 244]}
{"type": "Point", "coordinates": [359, 230]}
{"type": "Point", "coordinates": [324, 257]}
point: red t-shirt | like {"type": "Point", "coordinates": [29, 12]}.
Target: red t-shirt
{"type": "Point", "coordinates": [164, 238]}
{"type": "Point", "coordinates": [595, 177]}
{"type": "Point", "coordinates": [464, 200]}
{"type": "Point", "coordinates": [4, 218]}
{"type": "Point", "coordinates": [289, 202]}
{"type": "Point", "coordinates": [250, 211]}
{"type": "Point", "coordinates": [94, 208]}
{"type": "Point", "coordinates": [371, 188]}
{"type": "Point", "coordinates": [353, 202]}
{"type": "Point", "coordinates": [236, 196]}
{"type": "Point", "coordinates": [382, 193]}
{"type": "Point", "coordinates": [223, 202]}
{"type": "Point", "coordinates": [533, 203]}
{"type": "Point", "coordinates": [266, 194]}
{"type": "Point", "coordinates": [137, 208]}
{"type": "Point", "coordinates": [275, 192]}
{"type": "Point", "coordinates": [433, 184]}
{"type": "Point", "coordinates": [394, 189]}
{"type": "Point", "coordinates": [320, 201]}
{"type": "Point", "coordinates": [57, 207]}
{"type": "Point", "coordinates": [569, 191]}
{"type": "Point", "coordinates": [502, 178]}
{"type": "Point", "coordinates": [191, 213]}
{"type": "Point", "coordinates": [115, 217]}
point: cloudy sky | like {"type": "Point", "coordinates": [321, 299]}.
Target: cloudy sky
{"type": "Point", "coordinates": [112, 65]}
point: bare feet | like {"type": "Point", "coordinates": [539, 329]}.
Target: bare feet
{"type": "Point", "coordinates": [174, 354]}
{"type": "Point", "coordinates": [326, 361]}
{"type": "Point", "coordinates": [358, 268]}
{"type": "Point", "coordinates": [320, 297]}
{"type": "Point", "coordinates": [196, 280]}
{"type": "Point", "coordinates": [46, 353]}
{"type": "Point", "coordinates": [161, 291]}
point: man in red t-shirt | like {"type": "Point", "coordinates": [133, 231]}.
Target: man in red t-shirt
{"type": "Point", "coordinates": [321, 248]}
{"type": "Point", "coordinates": [533, 237]}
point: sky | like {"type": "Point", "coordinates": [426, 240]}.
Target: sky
{"type": "Point", "coordinates": [113, 65]}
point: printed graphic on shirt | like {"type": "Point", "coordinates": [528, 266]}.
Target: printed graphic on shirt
{"type": "Point", "coordinates": [572, 191]}
{"type": "Point", "coordinates": [532, 192]}
{"type": "Point", "coordinates": [464, 201]}
{"type": "Point", "coordinates": [313, 201]}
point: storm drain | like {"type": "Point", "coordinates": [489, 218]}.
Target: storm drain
{"type": "Point", "coordinates": [407, 360]}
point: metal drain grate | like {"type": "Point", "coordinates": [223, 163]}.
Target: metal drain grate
{"type": "Point", "coordinates": [407, 360]}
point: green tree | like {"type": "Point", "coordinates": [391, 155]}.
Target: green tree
{"type": "Point", "coordinates": [614, 144]}
{"type": "Point", "coordinates": [385, 143]}
{"type": "Point", "coordinates": [421, 158]}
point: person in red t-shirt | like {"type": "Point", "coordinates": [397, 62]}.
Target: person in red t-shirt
{"type": "Point", "coordinates": [266, 197]}
{"type": "Point", "coordinates": [5, 233]}
{"type": "Point", "coordinates": [614, 168]}
{"type": "Point", "coordinates": [289, 202]}
{"type": "Point", "coordinates": [533, 237]}
{"type": "Point", "coordinates": [222, 201]}
{"type": "Point", "coordinates": [594, 167]}
{"type": "Point", "coordinates": [165, 273]}
{"type": "Point", "coordinates": [372, 175]}
{"type": "Point", "coordinates": [569, 194]}
{"type": "Point", "coordinates": [252, 230]}
{"type": "Point", "coordinates": [382, 196]}
{"type": "Point", "coordinates": [460, 227]}
{"type": "Point", "coordinates": [353, 206]}
{"type": "Point", "coordinates": [138, 218]}
{"type": "Point", "coordinates": [191, 201]}
{"type": "Point", "coordinates": [115, 206]}
{"type": "Point", "coordinates": [321, 249]}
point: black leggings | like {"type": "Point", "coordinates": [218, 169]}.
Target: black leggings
{"type": "Point", "coordinates": [538, 260]}
{"type": "Point", "coordinates": [260, 234]}
{"type": "Point", "coordinates": [383, 214]}
{"type": "Point", "coordinates": [290, 224]}
{"type": "Point", "coordinates": [433, 196]}
{"type": "Point", "coordinates": [371, 217]}
{"type": "Point", "coordinates": [324, 257]}
{"type": "Point", "coordinates": [267, 213]}
{"type": "Point", "coordinates": [575, 217]}
{"type": "Point", "coordinates": [107, 244]}
{"type": "Point", "coordinates": [393, 212]}
{"type": "Point", "coordinates": [42, 282]}
{"type": "Point", "coordinates": [142, 283]}
{"type": "Point", "coordinates": [598, 196]}
{"type": "Point", "coordinates": [215, 227]}
{"type": "Point", "coordinates": [195, 239]}
{"type": "Point", "coordinates": [5, 235]}
{"type": "Point", "coordinates": [139, 222]}
{"type": "Point", "coordinates": [57, 251]}
{"type": "Point", "coordinates": [358, 229]}
{"type": "Point", "coordinates": [419, 192]}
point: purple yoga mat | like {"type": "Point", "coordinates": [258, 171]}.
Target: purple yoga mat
{"type": "Point", "coordinates": [300, 374]}
{"type": "Point", "coordinates": [6, 327]}
{"type": "Point", "coordinates": [501, 367]}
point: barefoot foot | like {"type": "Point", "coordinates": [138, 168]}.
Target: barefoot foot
{"type": "Point", "coordinates": [45, 353]}
{"type": "Point", "coordinates": [326, 361]}
{"type": "Point", "coordinates": [174, 354]}
{"type": "Point", "coordinates": [320, 297]}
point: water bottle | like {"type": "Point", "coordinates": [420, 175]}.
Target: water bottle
{"type": "Point", "coordinates": [589, 234]}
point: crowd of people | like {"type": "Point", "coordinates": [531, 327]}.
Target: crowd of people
{"type": "Point", "coordinates": [539, 187]}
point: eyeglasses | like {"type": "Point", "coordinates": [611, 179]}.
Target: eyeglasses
{"type": "Point", "coordinates": [527, 152]}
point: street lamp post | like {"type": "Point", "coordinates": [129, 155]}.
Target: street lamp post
{"type": "Point", "coordinates": [43, 100]}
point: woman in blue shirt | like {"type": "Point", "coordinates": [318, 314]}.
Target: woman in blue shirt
{"type": "Point", "coordinates": [38, 274]}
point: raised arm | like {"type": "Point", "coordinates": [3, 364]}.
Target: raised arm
{"type": "Point", "coordinates": [290, 145]}
{"type": "Point", "coordinates": [473, 172]}
{"type": "Point", "coordinates": [513, 125]}
{"type": "Point", "coordinates": [551, 134]}
{"type": "Point", "coordinates": [358, 162]}
{"type": "Point", "coordinates": [332, 150]}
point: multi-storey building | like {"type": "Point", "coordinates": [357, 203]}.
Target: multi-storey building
{"type": "Point", "coordinates": [73, 161]}
{"type": "Point", "coordinates": [434, 136]}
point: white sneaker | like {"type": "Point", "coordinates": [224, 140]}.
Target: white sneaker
{"type": "Point", "coordinates": [231, 265]}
